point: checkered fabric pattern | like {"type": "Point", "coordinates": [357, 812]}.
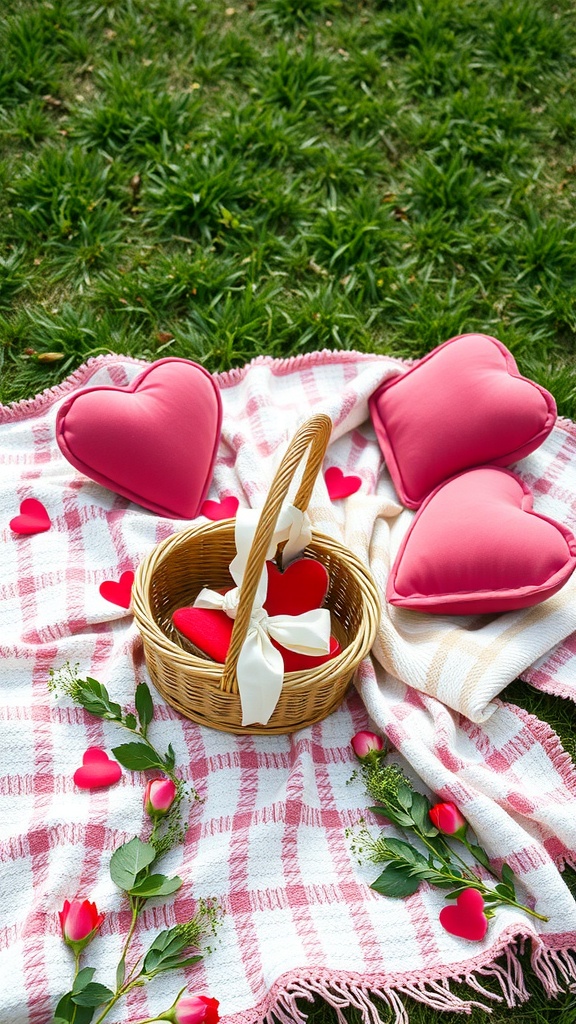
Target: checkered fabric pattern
{"type": "Point", "coordinates": [268, 837]}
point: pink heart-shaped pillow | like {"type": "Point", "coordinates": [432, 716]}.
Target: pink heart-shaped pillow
{"type": "Point", "coordinates": [300, 588]}
{"type": "Point", "coordinates": [463, 405]}
{"type": "Point", "coordinates": [467, 919]}
{"type": "Point", "coordinates": [154, 442]}
{"type": "Point", "coordinates": [476, 546]}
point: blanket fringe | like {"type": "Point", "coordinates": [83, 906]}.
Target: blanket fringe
{"type": "Point", "coordinates": [554, 968]}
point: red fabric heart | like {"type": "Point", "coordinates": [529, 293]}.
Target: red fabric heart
{"type": "Point", "coordinates": [225, 509]}
{"type": "Point", "coordinates": [33, 518]}
{"type": "Point", "coordinates": [476, 546]}
{"type": "Point", "coordinates": [340, 486]}
{"type": "Point", "coordinates": [302, 587]}
{"type": "Point", "coordinates": [120, 592]}
{"type": "Point", "coordinates": [465, 404]}
{"type": "Point", "coordinates": [97, 771]}
{"type": "Point", "coordinates": [154, 442]}
{"type": "Point", "coordinates": [467, 919]}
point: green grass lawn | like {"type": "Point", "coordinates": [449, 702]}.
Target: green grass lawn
{"type": "Point", "coordinates": [217, 180]}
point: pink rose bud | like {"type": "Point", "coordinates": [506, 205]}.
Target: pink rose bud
{"type": "Point", "coordinates": [367, 745]}
{"type": "Point", "coordinates": [193, 1009]}
{"type": "Point", "coordinates": [79, 921]}
{"type": "Point", "coordinates": [447, 819]}
{"type": "Point", "coordinates": [159, 797]}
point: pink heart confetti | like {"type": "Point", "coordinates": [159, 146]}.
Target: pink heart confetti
{"type": "Point", "coordinates": [97, 770]}
{"type": "Point", "coordinates": [118, 592]}
{"type": "Point", "coordinates": [467, 919]}
{"type": "Point", "coordinates": [340, 486]}
{"type": "Point", "coordinates": [33, 518]}
{"type": "Point", "coordinates": [216, 510]}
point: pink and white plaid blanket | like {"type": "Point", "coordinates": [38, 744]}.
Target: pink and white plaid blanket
{"type": "Point", "coordinates": [268, 838]}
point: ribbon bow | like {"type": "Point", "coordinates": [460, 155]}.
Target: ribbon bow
{"type": "Point", "coordinates": [260, 669]}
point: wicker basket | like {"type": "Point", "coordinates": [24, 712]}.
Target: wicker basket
{"type": "Point", "coordinates": [173, 574]}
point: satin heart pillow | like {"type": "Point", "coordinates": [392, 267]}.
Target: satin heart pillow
{"type": "Point", "coordinates": [476, 546]}
{"type": "Point", "coordinates": [465, 404]}
{"type": "Point", "coordinates": [154, 442]}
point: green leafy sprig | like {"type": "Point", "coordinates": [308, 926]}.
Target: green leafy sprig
{"type": "Point", "coordinates": [139, 755]}
{"type": "Point", "coordinates": [439, 863]}
{"type": "Point", "coordinates": [133, 866]}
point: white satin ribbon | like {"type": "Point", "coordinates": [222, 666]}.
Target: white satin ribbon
{"type": "Point", "coordinates": [260, 669]}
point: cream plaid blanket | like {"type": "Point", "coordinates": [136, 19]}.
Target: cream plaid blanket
{"type": "Point", "coordinates": [268, 837]}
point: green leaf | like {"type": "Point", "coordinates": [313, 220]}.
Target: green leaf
{"type": "Point", "coordinates": [65, 1008]}
{"type": "Point", "coordinates": [188, 961]}
{"type": "Point", "coordinates": [93, 994]}
{"type": "Point", "coordinates": [393, 816]}
{"type": "Point", "coordinates": [508, 878]}
{"type": "Point", "coordinates": [144, 705]}
{"type": "Point", "coordinates": [505, 890]}
{"type": "Point", "coordinates": [120, 973]}
{"type": "Point", "coordinates": [401, 849]}
{"type": "Point", "coordinates": [82, 979]}
{"type": "Point", "coordinates": [130, 721]}
{"type": "Point", "coordinates": [156, 885]}
{"type": "Point", "coordinates": [129, 860]}
{"type": "Point", "coordinates": [404, 796]}
{"type": "Point", "coordinates": [479, 854]}
{"type": "Point", "coordinates": [174, 964]}
{"type": "Point", "coordinates": [94, 698]}
{"type": "Point", "coordinates": [170, 760]}
{"type": "Point", "coordinates": [167, 943]}
{"type": "Point", "coordinates": [136, 756]}
{"type": "Point", "coordinates": [445, 883]}
{"type": "Point", "coordinates": [439, 845]}
{"type": "Point", "coordinates": [165, 953]}
{"type": "Point", "coordinates": [84, 1014]}
{"type": "Point", "coordinates": [420, 815]}
{"type": "Point", "coordinates": [395, 882]}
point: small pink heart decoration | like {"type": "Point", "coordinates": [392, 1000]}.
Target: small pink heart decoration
{"type": "Point", "coordinates": [97, 771]}
{"type": "Point", "coordinates": [225, 509]}
{"type": "Point", "coordinates": [467, 919]}
{"type": "Point", "coordinates": [119, 592]}
{"type": "Point", "coordinates": [33, 518]}
{"type": "Point", "coordinates": [340, 486]}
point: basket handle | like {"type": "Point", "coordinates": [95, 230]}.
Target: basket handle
{"type": "Point", "coordinates": [313, 435]}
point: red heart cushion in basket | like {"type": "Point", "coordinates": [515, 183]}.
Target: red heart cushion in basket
{"type": "Point", "coordinates": [154, 442]}
{"type": "Point", "coordinates": [300, 588]}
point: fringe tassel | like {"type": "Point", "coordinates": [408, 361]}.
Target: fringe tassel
{"type": "Point", "coordinates": [555, 969]}
{"type": "Point", "coordinates": [550, 965]}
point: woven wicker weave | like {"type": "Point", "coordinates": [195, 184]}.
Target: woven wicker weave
{"type": "Point", "coordinates": [176, 570]}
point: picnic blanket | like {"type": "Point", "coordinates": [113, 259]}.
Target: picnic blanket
{"type": "Point", "coordinates": [267, 838]}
